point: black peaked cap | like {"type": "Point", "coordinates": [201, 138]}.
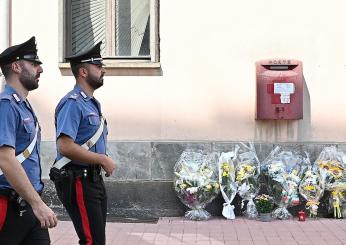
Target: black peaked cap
{"type": "Point", "coordinates": [91, 56]}
{"type": "Point", "coordinates": [23, 51]}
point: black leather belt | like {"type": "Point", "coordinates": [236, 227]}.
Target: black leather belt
{"type": "Point", "coordinates": [92, 172]}
{"type": "Point", "coordinates": [79, 169]}
{"type": "Point", "coordinates": [20, 204]}
{"type": "Point", "coordinates": [6, 192]}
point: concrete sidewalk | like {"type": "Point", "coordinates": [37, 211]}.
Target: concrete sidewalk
{"type": "Point", "coordinates": [216, 231]}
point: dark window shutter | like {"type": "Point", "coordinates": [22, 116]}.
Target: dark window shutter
{"type": "Point", "coordinates": [88, 24]}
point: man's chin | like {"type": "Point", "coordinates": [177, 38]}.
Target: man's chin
{"type": "Point", "coordinates": [33, 88]}
{"type": "Point", "coordinates": [30, 87]}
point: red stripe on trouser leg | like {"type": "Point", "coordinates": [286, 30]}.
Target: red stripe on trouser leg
{"type": "Point", "coordinates": [83, 212]}
{"type": "Point", "coordinates": [3, 211]}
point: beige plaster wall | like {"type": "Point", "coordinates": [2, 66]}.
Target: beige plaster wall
{"type": "Point", "coordinates": [207, 87]}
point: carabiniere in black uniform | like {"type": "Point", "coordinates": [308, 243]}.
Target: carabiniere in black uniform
{"type": "Point", "coordinates": [80, 186]}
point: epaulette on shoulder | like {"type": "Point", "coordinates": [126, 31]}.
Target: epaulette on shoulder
{"type": "Point", "coordinates": [74, 96]}
{"type": "Point", "coordinates": [6, 97]}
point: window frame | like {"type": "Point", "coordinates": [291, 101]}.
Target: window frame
{"type": "Point", "coordinates": [65, 40]}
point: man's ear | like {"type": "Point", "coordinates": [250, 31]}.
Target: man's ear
{"type": "Point", "coordinates": [83, 71]}
{"type": "Point", "coordinates": [16, 67]}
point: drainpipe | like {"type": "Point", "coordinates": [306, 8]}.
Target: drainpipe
{"type": "Point", "coordinates": [5, 28]}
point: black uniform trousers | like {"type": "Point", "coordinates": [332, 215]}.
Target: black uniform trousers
{"type": "Point", "coordinates": [20, 230]}
{"type": "Point", "coordinates": [85, 200]}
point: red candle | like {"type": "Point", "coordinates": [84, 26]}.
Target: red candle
{"type": "Point", "coordinates": [301, 216]}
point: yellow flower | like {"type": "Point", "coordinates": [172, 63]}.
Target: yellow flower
{"type": "Point", "coordinates": [216, 185]}
{"type": "Point", "coordinates": [240, 176]}
{"type": "Point", "coordinates": [225, 174]}
{"type": "Point", "coordinates": [336, 193]}
{"type": "Point", "coordinates": [248, 168]}
{"type": "Point", "coordinates": [322, 165]}
{"type": "Point", "coordinates": [336, 172]}
{"type": "Point", "coordinates": [209, 187]}
{"type": "Point", "coordinates": [309, 188]}
{"type": "Point", "coordinates": [263, 198]}
{"type": "Point", "coordinates": [183, 186]}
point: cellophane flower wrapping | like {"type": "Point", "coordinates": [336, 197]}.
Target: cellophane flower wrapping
{"type": "Point", "coordinates": [247, 172]}
{"type": "Point", "coordinates": [228, 186]}
{"type": "Point", "coordinates": [334, 163]}
{"type": "Point", "coordinates": [337, 197]}
{"type": "Point", "coordinates": [196, 182]}
{"type": "Point", "coordinates": [311, 188]}
{"type": "Point", "coordinates": [284, 171]}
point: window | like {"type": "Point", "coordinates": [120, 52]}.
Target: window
{"type": "Point", "coordinates": [128, 29]}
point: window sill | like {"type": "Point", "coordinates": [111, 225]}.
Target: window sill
{"type": "Point", "coordinates": [122, 68]}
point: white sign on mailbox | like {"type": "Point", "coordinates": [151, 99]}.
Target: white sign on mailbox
{"type": "Point", "coordinates": [285, 90]}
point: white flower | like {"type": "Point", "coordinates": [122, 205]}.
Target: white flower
{"type": "Point", "coordinates": [179, 181]}
{"type": "Point", "coordinates": [192, 190]}
{"type": "Point", "coordinates": [244, 188]}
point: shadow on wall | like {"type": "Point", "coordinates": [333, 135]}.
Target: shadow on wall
{"type": "Point", "coordinates": [287, 130]}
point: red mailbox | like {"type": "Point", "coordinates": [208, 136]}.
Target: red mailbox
{"type": "Point", "coordinates": [279, 84]}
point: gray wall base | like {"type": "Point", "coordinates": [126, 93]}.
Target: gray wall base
{"type": "Point", "coordinates": [142, 186]}
{"type": "Point", "coordinates": [152, 199]}
{"type": "Point", "coordinates": [138, 199]}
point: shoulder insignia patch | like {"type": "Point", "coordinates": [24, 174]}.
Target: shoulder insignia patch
{"type": "Point", "coordinates": [73, 96]}
{"type": "Point", "coordinates": [83, 94]}
{"type": "Point", "coordinates": [5, 97]}
{"type": "Point", "coordinates": [15, 96]}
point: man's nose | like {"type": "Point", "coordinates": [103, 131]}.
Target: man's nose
{"type": "Point", "coordinates": [40, 69]}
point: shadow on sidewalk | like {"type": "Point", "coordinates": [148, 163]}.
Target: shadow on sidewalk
{"type": "Point", "coordinates": [114, 219]}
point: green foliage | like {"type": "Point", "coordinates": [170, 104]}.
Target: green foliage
{"type": "Point", "coordinates": [264, 203]}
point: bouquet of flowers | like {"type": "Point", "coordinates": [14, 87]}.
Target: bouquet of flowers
{"type": "Point", "coordinates": [247, 172]}
{"type": "Point", "coordinates": [312, 188]}
{"type": "Point", "coordinates": [228, 186]}
{"type": "Point", "coordinates": [196, 182]}
{"type": "Point", "coordinates": [337, 196]}
{"type": "Point", "coordinates": [334, 163]}
{"type": "Point", "coordinates": [264, 203]}
{"type": "Point", "coordinates": [284, 170]}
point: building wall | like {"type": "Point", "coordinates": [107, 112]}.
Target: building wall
{"type": "Point", "coordinates": [207, 87]}
{"type": "Point", "coordinates": [205, 95]}
{"type": "Point", "coordinates": [5, 10]}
